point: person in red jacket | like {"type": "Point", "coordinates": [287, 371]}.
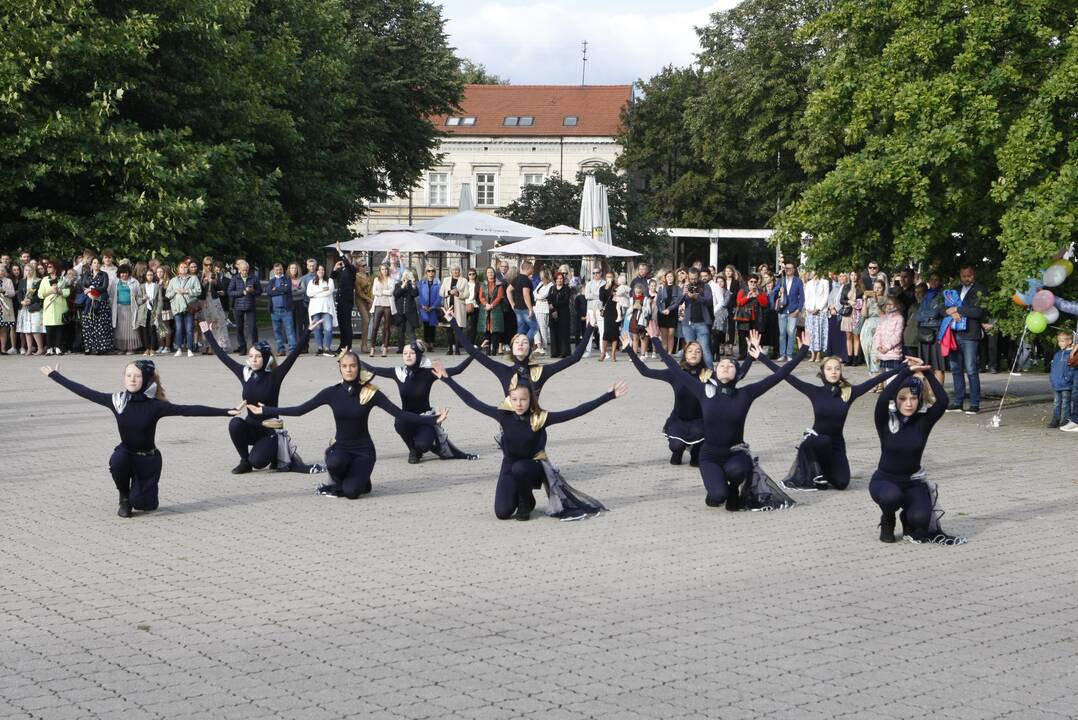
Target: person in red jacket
{"type": "Point", "coordinates": [751, 301]}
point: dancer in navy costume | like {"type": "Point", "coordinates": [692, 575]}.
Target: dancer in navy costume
{"type": "Point", "coordinates": [350, 459]}
{"type": "Point", "coordinates": [254, 441]}
{"type": "Point", "coordinates": [524, 460]}
{"type": "Point", "coordinates": [684, 427]}
{"type": "Point", "coordinates": [724, 462]}
{"type": "Point", "coordinates": [821, 456]}
{"type": "Point", "coordinates": [135, 464]}
{"type": "Point", "coordinates": [904, 421]}
{"type": "Point", "coordinates": [414, 380]}
{"type": "Point", "coordinates": [524, 367]}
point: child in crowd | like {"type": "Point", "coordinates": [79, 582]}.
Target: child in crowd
{"type": "Point", "coordinates": [623, 299]}
{"type": "Point", "coordinates": [1062, 378]}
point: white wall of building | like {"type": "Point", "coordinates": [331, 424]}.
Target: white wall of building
{"type": "Point", "coordinates": [495, 168]}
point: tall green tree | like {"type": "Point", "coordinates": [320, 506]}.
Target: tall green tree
{"type": "Point", "coordinates": [912, 104]}
{"type": "Point", "coordinates": [226, 126]}
{"type": "Point", "coordinates": [473, 73]}
{"type": "Point", "coordinates": [744, 123]}
{"type": "Point", "coordinates": [658, 153]}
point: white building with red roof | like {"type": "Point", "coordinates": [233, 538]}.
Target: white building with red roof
{"type": "Point", "coordinates": [506, 137]}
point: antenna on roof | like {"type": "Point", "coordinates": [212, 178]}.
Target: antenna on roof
{"type": "Point", "coordinates": [584, 60]}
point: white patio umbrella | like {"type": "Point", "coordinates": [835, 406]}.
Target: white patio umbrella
{"type": "Point", "coordinates": [471, 223]}
{"type": "Point", "coordinates": [403, 238]}
{"type": "Point", "coordinates": [564, 241]}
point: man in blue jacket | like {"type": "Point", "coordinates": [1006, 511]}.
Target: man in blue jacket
{"type": "Point", "coordinates": [279, 290]}
{"type": "Point", "coordinates": [788, 299]}
{"type": "Point", "coordinates": [964, 361]}
{"type": "Point", "coordinates": [244, 288]}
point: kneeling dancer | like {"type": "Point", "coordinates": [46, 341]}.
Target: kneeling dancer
{"type": "Point", "coordinates": [135, 464]}
{"type": "Point", "coordinates": [725, 460]}
{"type": "Point", "coordinates": [821, 455]}
{"type": "Point", "coordinates": [350, 459]}
{"type": "Point", "coordinates": [904, 419]}
{"type": "Point", "coordinates": [525, 465]}
{"type": "Point", "coordinates": [259, 440]}
{"type": "Point", "coordinates": [684, 427]}
{"type": "Point", "coordinates": [414, 380]}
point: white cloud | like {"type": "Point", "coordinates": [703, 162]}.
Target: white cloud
{"type": "Point", "coordinates": [540, 44]}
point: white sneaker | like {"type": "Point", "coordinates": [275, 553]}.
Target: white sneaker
{"type": "Point", "coordinates": [1070, 427]}
{"type": "Point", "coordinates": [179, 353]}
{"type": "Point", "coordinates": [190, 354]}
{"type": "Point", "coordinates": [49, 351]}
{"type": "Point", "coordinates": [12, 351]}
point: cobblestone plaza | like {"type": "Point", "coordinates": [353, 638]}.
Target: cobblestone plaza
{"type": "Point", "coordinates": [252, 597]}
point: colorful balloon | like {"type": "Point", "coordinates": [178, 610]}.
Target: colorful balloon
{"type": "Point", "coordinates": [1066, 265]}
{"type": "Point", "coordinates": [1018, 300]}
{"type": "Point", "coordinates": [1051, 314]}
{"type": "Point", "coordinates": [1043, 300]}
{"type": "Point", "coordinates": [1036, 323]}
{"type": "Point", "coordinates": [1054, 276]}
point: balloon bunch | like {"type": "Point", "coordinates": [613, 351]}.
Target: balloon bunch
{"type": "Point", "coordinates": [1041, 300]}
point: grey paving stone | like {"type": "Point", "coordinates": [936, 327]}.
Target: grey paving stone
{"type": "Point", "coordinates": [252, 597]}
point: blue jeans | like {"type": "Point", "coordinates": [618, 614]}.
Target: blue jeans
{"type": "Point", "coordinates": [323, 332]}
{"type": "Point", "coordinates": [701, 333]}
{"type": "Point", "coordinates": [282, 328]}
{"type": "Point", "coordinates": [787, 335]}
{"type": "Point", "coordinates": [1073, 409]}
{"type": "Point", "coordinates": [185, 331]}
{"type": "Point", "coordinates": [1061, 407]}
{"type": "Point", "coordinates": [963, 361]}
{"type": "Point", "coordinates": [525, 325]}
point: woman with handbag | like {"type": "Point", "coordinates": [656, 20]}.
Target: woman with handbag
{"type": "Point", "coordinates": [384, 308]}
{"type": "Point", "coordinates": [97, 312]}
{"type": "Point", "coordinates": [456, 294]}
{"type": "Point", "coordinates": [751, 302]}
{"type": "Point", "coordinates": [668, 302]}
{"type": "Point", "coordinates": [182, 290]}
{"type": "Point", "coordinates": [560, 299]}
{"type": "Point", "coordinates": [406, 296]}
{"type": "Point", "coordinates": [888, 341]}
{"type": "Point", "coordinates": [491, 319]}
{"type": "Point", "coordinates": [542, 312]}
{"type": "Point", "coordinates": [213, 310]}
{"type": "Point", "coordinates": [871, 321]}
{"type": "Point", "coordinates": [164, 310]}
{"type": "Point", "coordinates": [7, 312]}
{"type": "Point", "coordinates": [429, 300]}
{"type": "Point", "coordinates": [53, 292]}
{"type": "Point", "coordinates": [853, 293]}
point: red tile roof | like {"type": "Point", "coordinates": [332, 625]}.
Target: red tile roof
{"type": "Point", "coordinates": [596, 107]}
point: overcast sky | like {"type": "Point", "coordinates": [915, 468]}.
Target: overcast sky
{"type": "Point", "coordinates": [539, 42]}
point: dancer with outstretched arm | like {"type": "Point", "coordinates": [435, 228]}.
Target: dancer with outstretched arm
{"type": "Point", "coordinates": [351, 457]}
{"type": "Point", "coordinates": [525, 464]}
{"type": "Point", "coordinates": [255, 436]}
{"type": "Point", "coordinates": [414, 380]}
{"type": "Point", "coordinates": [725, 460]}
{"type": "Point", "coordinates": [135, 464]}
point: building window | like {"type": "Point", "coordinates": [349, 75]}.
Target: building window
{"type": "Point", "coordinates": [484, 189]}
{"type": "Point", "coordinates": [533, 179]}
{"type": "Point", "coordinates": [510, 121]}
{"type": "Point", "coordinates": [467, 121]}
{"type": "Point", "coordinates": [570, 121]}
{"type": "Point", "coordinates": [438, 189]}
{"type": "Point", "coordinates": [452, 121]}
{"type": "Point", "coordinates": [526, 121]}
{"type": "Point", "coordinates": [456, 121]}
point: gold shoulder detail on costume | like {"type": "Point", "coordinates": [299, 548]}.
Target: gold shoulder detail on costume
{"type": "Point", "coordinates": [367, 393]}
{"type": "Point", "coordinates": [538, 420]}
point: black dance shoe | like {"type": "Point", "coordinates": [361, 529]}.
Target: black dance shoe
{"type": "Point", "coordinates": [887, 528]}
{"type": "Point", "coordinates": [243, 468]}
{"type": "Point", "coordinates": [675, 457]}
{"type": "Point", "coordinates": [733, 500]}
{"type": "Point", "coordinates": [712, 502]}
{"type": "Point", "coordinates": [694, 460]}
{"type": "Point", "coordinates": [820, 482]}
{"type": "Point", "coordinates": [124, 508]}
{"type": "Point", "coordinates": [329, 490]}
{"type": "Point", "coordinates": [523, 514]}
{"type": "Point", "coordinates": [413, 457]}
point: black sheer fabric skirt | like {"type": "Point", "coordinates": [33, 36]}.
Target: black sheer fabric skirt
{"type": "Point", "coordinates": [566, 502]}
{"type": "Point", "coordinates": [761, 492]}
{"type": "Point", "coordinates": [805, 470]}
{"type": "Point", "coordinates": [690, 432]}
{"type": "Point", "coordinates": [288, 459]}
